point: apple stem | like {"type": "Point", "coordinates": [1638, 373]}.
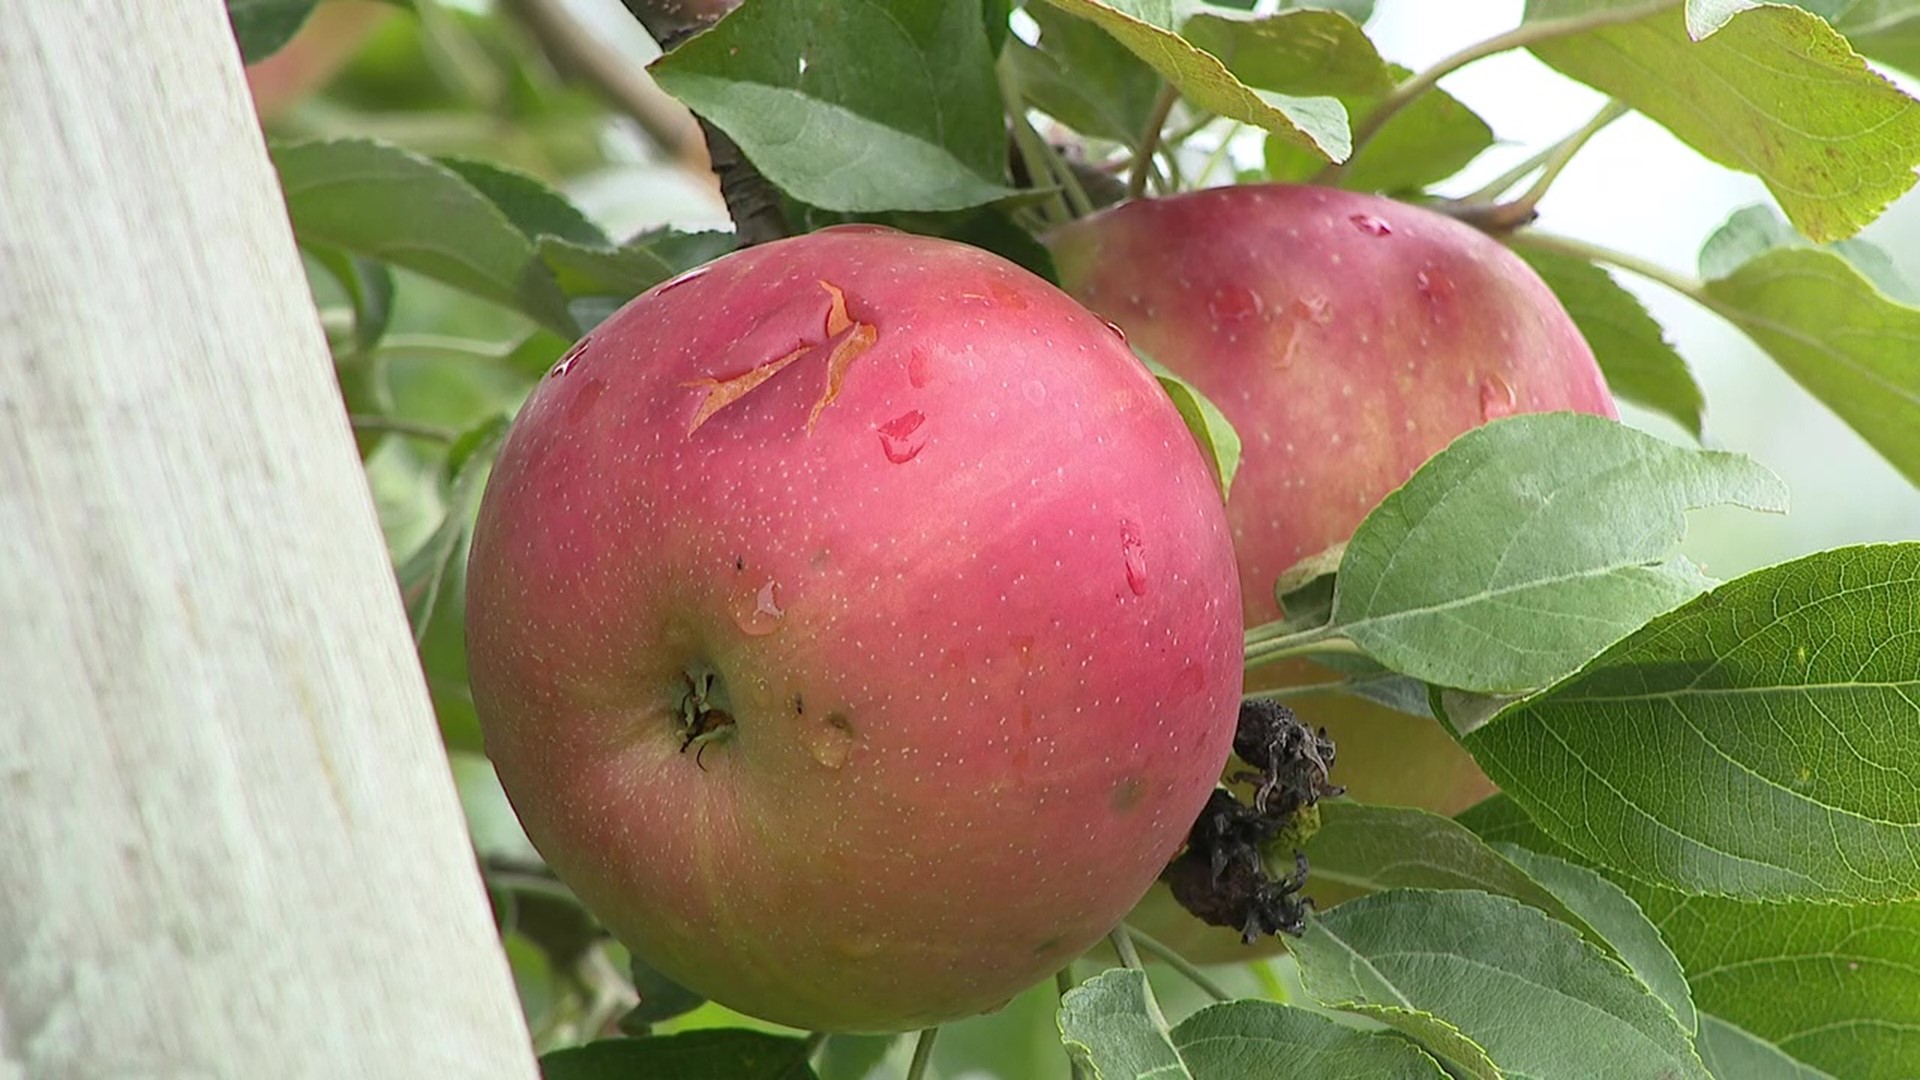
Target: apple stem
{"type": "Point", "coordinates": [1150, 140]}
{"type": "Point", "coordinates": [922, 1054]}
{"type": "Point", "coordinates": [1520, 37]}
{"type": "Point", "coordinates": [1179, 963]}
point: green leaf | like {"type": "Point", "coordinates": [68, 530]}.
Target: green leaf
{"type": "Point", "coordinates": [1754, 230]}
{"type": "Point", "coordinates": [1528, 545]}
{"type": "Point", "coordinates": [1148, 29]}
{"type": "Point", "coordinates": [1759, 742]}
{"type": "Point", "coordinates": [263, 26]}
{"type": "Point", "coordinates": [1250, 1038]}
{"type": "Point", "coordinates": [1078, 74]}
{"type": "Point", "coordinates": [1111, 1023]}
{"type": "Point", "coordinates": [534, 208]}
{"type": "Point", "coordinates": [1301, 51]}
{"type": "Point", "coordinates": [635, 266]}
{"type": "Point", "coordinates": [368, 284]}
{"type": "Point", "coordinates": [660, 997]}
{"type": "Point", "coordinates": [887, 106]}
{"type": "Point", "coordinates": [1632, 349]}
{"type": "Point", "coordinates": [423, 573]}
{"type": "Point", "coordinates": [690, 1055]}
{"type": "Point", "coordinates": [1464, 972]}
{"type": "Point", "coordinates": [1733, 1054]}
{"type": "Point", "coordinates": [1839, 337]}
{"type": "Point", "coordinates": [1368, 849]}
{"type": "Point", "coordinates": [387, 203]}
{"type": "Point", "coordinates": [1832, 986]}
{"type": "Point", "coordinates": [1775, 92]}
{"type": "Point", "coordinates": [1886, 30]}
{"type": "Point", "coordinates": [1625, 930]}
{"type": "Point", "coordinates": [1210, 427]}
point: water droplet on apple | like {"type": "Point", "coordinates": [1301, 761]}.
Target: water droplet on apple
{"type": "Point", "coordinates": [830, 742]}
{"type": "Point", "coordinates": [1496, 398]}
{"type": "Point", "coordinates": [1035, 390]}
{"type": "Point", "coordinates": [566, 362]}
{"type": "Point", "coordinates": [681, 279]}
{"type": "Point", "coordinates": [1434, 285]}
{"type": "Point", "coordinates": [1117, 332]}
{"type": "Point", "coordinates": [902, 437]}
{"type": "Point", "coordinates": [760, 614]}
{"type": "Point", "coordinates": [1370, 225]}
{"type": "Point", "coordinates": [1134, 554]}
{"type": "Point", "coordinates": [766, 602]}
{"type": "Point", "coordinates": [919, 368]}
{"type": "Point", "coordinates": [1232, 303]}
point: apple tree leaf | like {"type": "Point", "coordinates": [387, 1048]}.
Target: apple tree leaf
{"type": "Point", "coordinates": [425, 571]}
{"type": "Point", "coordinates": [534, 208]}
{"type": "Point", "coordinates": [1833, 986]}
{"type": "Point", "coordinates": [262, 27]}
{"type": "Point", "coordinates": [380, 201]}
{"type": "Point", "coordinates": [1361, 848]}
{"type": "Point", "coordinates": [1150, 30]}
{"type": "Point", "coordinates": [625, 272]}
{"type": "Point", "coordinates": [1249, 1038]}
{"type": "Point", "coordinates": [1210, 427]}
{"type": "Point", "coordinates": [1886, 30]}
{"type": "Point", "coordinates": [688, 1055]}
{"type": "Point", "coordinates": [1080, 75]}
{"type": "Point", "coordinates": [368, 284]}
{"type": "Point", "coordinates": [1529, 545]}
{"type": "Point", "coordinates": [1522, 990]}
{"type": "Point", "coordinates": [1305, 52]}
{"type": "Point", "coordinates": [1633, 352]}
{"type": "Point", "coordinates": [887, 106]}
{"type": "Point", "coordinates": [1111, 1023]}
{"type": "Point", "coordinates": [1628, 933]}
{"type": "Point", "coordinates": [1760, 742]}
{"type": "Point", "coordinates": [1751, 231]}
{"type": "Point", "coordinates": [1844, 340]}
{"type": "Point", "coordinates": [1733, 1054]}
{"type": "Point", "coordinates": [1774, 91]}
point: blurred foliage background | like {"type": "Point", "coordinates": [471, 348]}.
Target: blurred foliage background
{"type": "Point", "coordinates": [556, 89]}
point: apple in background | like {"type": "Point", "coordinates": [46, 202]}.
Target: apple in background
{"type": "Point", "coordinates": [1348, 338]}
{"type": "Point", "coordinates": [854, 625]}
{"type": "Point", "coordinates": [328, 40]}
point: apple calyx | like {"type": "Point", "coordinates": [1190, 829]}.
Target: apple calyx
{"type": "Point", "coordinates": [1224, 875]}
{"type": "Point", "coordinates": [704, 714]}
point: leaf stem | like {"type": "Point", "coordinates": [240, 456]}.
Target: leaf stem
{"type": "Point", "coordinates": [1150, 140]}
{"type": "Point", "coordinates": [1028, 141]}
{"type": "Point", "coordinates": [1560, 155]}
{"type": "Point", "coordinates": [922, 1054]}
{"type": "Point", "coordinates": [1179, 963]}
{"type": "Point", "coordinates": [1063, 982]}
{"type": "Point", "coordinates": [1122, 940]}
{"type": "Point", "coordinates": [1581, 249]}
{"type": "Point", "coordinates": [1520, 37]}
{"type": "Point", "coordinates": [393, 425]}
{"type": "Point", "coordinates": [1554, 158]}
{"type": "Point", "coordinates": [1219, 154]}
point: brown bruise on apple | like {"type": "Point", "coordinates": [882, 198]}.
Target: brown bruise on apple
{"type": "Point", "coordinates": [965, 739]}
{"type": "Point", "coordinates": [1348, 338]}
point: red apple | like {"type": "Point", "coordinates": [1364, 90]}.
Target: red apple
{"type": "Point", "coordinates": [854, 625]}
{"type": "Point", "coordinates": [1348, 338]}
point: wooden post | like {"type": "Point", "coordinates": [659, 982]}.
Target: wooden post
{"type": "Point", "coordinates": [229, 843]}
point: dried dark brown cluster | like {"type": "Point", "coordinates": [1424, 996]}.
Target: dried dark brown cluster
{"type": "Point", "coordinates": [1222, 876]}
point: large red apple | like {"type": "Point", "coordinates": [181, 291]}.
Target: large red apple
{"type": "Point", "coordinates": [1348, 338]}
{"type": "Point", "coordinates": [855, 627]}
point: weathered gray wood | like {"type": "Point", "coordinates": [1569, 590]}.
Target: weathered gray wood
{"type": "Point", "coordinates": [229, 844]}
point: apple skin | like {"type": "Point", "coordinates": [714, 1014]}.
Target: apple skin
{"type": "Point", "coordinates": [1348, 338]}
{"type": "Point", "coordinates": [978, 631]}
